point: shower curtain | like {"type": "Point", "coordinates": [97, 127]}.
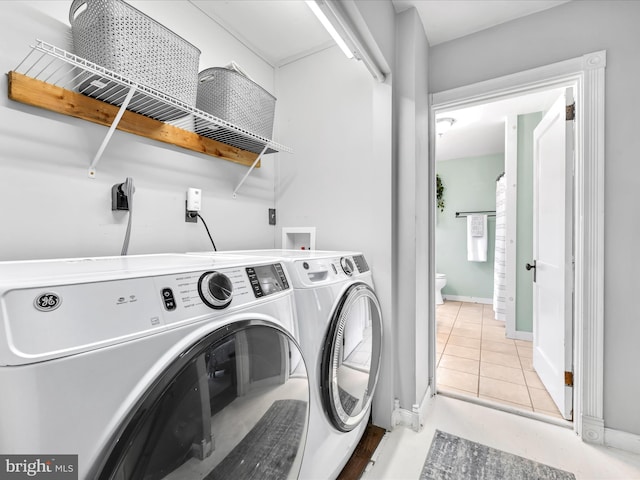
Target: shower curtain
{"type": "Point", "coordinates": [500, 258]}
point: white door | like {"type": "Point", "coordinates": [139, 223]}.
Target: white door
{"type": "Point", "coordinates": [553, 254]}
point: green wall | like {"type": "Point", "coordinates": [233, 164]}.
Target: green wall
{"type": "Point", "coordinates": [524, 243]}
{"type": "Point", "coordinates": [470, 184]}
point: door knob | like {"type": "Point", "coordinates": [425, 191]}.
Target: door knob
{"type": "Point", "coordinates": [528, 266]}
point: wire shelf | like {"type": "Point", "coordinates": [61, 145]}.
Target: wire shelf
{"type": "Point", "coordinates": [53, 65]}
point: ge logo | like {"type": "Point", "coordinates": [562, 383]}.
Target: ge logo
{"type": "Point", "coordinates": [47, 302]}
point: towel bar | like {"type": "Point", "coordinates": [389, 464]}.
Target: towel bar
{"type": "Point", "coordinates": [490, 213]}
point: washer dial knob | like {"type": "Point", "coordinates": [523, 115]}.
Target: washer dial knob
{"type": "Point", "coordinates": [215, 289]}
{"type": "Point", "coordinates": [347, 266]}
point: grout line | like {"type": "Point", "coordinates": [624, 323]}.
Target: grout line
{"type": "Point", "coordinates": [480, 362]}
{"type": "Point", "coordinates": [525, 378]}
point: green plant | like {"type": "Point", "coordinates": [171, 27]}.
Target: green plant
{"type": "Point", "coordinates": [439, 193]}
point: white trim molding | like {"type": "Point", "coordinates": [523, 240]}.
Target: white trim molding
{"type": "Point", "coordinates": [413, 418]}
{"type": "Point", "coordinates": [586, 74]}
{"type": "Point", "coordinates": [589, 261]}
{"type": "Point", "coordinates": [518, 335]}
{"type": "Point", "coordinates": [463, 298]}
{"type": "Point", "coordinates": [628, 442]}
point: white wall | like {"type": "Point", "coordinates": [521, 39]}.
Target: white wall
{"type": "Point", "coordinates": [378, 27]}
{"type": "Point", "coordinates": [325, 110]}
{"type": "Point", "coordinates": [338, 121]}
{"type": "Point", "coordinates": [564, 32]}
{"type": "Point", "coordinates": [346, 180]}
{"type": "Point", "coordinates": [45, 156]}
{"type": "Point", "coordinates": [412, 272]}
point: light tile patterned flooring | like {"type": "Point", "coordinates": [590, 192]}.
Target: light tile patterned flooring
{"type": "Point", "coordinates": [476, 359]}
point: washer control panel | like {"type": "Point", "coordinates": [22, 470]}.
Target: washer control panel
{"type": "Point", "coordinates": [48, 321]}
{"type": "Point", "coordinates": [267, 279]}
{"type": "Point", "coordinates": [223, 288]}
{"type": "Point", "coordinates": [215, 289]}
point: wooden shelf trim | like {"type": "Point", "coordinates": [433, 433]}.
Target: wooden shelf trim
{"type": "Point", "coordinates": [37, 93]}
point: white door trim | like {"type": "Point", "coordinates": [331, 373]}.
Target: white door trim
{"type": "Point", "coordinates": [511, 172]}
{"type": "Point", "coordinates": [587, 73]}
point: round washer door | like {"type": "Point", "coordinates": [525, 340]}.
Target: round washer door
{"type": "Point", "coordinates": [233, 405]}
{"type": "Point", "coordinates": [351, 357]}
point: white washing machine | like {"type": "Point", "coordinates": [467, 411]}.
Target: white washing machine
{"type": "Point", "coordinates": [152, 367]}
{"type": "Point", "coordinates": [340, 324]}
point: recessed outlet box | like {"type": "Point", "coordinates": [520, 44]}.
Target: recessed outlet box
{"type": "Point", "coordinates": [272, 216]}
{"type": "Point", "coordinates": [299, 238]}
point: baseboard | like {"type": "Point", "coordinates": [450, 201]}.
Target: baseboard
{"type": "Point", "coordinates": [528, 336]}
{"type": "Point", "coordinates": [462, 298]}
{"type": "Point", "coordinates": [413, 418]}
{"type": "Point", "coordinates": [628, 442]}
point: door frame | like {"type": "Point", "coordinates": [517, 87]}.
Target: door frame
{"type": "Point", "coordinates": [587, 74]}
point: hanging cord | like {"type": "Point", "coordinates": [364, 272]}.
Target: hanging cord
{"type": "Point", "coordinates": [207, 228]}
{"type": "Point", "coordinates": [128, 190]}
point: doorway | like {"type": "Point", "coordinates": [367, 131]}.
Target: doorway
{"type": "Point", "coordinates": [484, 346]}
{"type": "Point", "coordinates": [587, 74]}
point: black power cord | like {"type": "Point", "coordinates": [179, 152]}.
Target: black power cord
{"type": "Point", "coordinates": [208, 233]}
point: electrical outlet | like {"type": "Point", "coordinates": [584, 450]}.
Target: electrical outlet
{"type": "Point", "coordinates": [189, 215]}
{"type": "Point", "coordinates": [119, 199]}
{"type": "Point", "coordinates": [193, 205]}
{"type": "Point", "coordinates": [272, 216]}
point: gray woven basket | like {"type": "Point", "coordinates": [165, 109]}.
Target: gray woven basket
{"type": "Point", "coordinates": [231, 96]}
{"type": "Point", "coordinates": [117, 36]}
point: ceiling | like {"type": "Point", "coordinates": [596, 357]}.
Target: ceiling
{"type": "Point", "coordinates": [282, 31]}
{"type": "Point", "coordinates": [279, 31]}
{"type": "Point", "coordinates": [479, 130]}
{"type": "Point", "coordinates": [446, 20]}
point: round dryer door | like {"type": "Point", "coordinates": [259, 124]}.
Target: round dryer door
{"type": "Point", "coordinates": [234, 405]}
{"type": "Point", "coordinates": [351, 357]}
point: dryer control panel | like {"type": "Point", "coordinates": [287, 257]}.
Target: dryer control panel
{"type": "Point", "coordinates": [324, 271]}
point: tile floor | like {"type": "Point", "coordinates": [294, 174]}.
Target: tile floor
{"type": "Point", "coordinates": [402, 452]}
{"type": "Point", "coordinates": [476, 359]}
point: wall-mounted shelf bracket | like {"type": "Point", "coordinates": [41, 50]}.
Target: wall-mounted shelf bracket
{"type": "Point", "coordinates": [112, 128]}
{"type": "Point", "coordinates": [249, 171]}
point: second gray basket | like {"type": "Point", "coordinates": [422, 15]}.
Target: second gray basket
{"type": "Point", "coordinates": [230, 96]}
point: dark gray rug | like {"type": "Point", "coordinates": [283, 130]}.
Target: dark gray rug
{"type": "Point", "coordinates": [270, 447]}
{"type": "Point", "coordinates": [454, 458]}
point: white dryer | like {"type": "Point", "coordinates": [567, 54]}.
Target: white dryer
{"type": "Point", "coordinates": [152, 367]}
{"type": "Point", "coordinates": [340, 325]}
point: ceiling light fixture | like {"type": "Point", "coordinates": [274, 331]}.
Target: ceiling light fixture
{"type": "Point", "coordinates": [315, 8]}
{"type": "Point", "coordinates": [339, 27]}
{"type": "Point", "coordinates": [444, 124]}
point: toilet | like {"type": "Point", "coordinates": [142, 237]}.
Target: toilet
{"type": "Point", "coordinates": [441, 281]}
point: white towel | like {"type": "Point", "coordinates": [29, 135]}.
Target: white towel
{"type": "Point", "coordinates": [476, 244]}
{"type": "Point", "coordinates": [477, 226]}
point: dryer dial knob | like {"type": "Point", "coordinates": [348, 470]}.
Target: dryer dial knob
{"type": "Point", "coordinates": [347, 266]}
{"type": "Point", "coordinates": [215, 289]}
